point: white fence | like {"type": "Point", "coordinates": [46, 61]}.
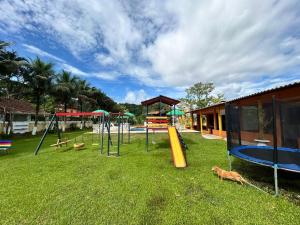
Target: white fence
{"type": "Point", "coordinates": [27, 126]}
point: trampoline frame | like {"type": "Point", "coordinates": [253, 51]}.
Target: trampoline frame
{"type": "Point", "coordinates": [262, 163]}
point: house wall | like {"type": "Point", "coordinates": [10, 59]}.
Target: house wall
{"type": "Point", "coordinates": [287, 94]}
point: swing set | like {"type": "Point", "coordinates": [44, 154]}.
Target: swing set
{"type": "Point", "coordinates": [104, 121]}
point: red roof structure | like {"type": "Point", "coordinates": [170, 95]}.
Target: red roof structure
{"type": "Point", "coordinates": [162, 99]}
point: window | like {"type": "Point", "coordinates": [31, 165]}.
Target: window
{"type": "Point", "coordinates": [249, 118]}
{"type": "Point", "coordinates": [223, 122]}
{"type": "Point", "coordinates": [195, 119]}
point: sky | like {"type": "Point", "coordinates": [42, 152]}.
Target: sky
{"type": "Point", "coordinates": [134, 50]}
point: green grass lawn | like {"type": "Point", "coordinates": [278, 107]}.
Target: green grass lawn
{"type": "Point", "coordinates": [84, 187]}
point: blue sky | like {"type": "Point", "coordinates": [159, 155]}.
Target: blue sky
{"type": "Point", "coordinates": [134, 50]}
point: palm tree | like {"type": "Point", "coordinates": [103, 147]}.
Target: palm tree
{"type": "Point", "coordinates": [40, 81]}
{"type": "Point", "coordinates": [82, 91]}
{"type": "Point", "coordinates": [65, 88]}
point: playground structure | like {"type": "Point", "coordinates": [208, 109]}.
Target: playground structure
{"type": "Point", "coordinates": [160, 123]}
{"type": "Point", "coordinates": [104, 127]}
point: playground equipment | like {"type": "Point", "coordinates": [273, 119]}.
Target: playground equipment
{"type": "Point", "coordinates": [161, 123]}
{"type": "Point", "coordinates": [104, 123]}
{"type": "Point", "coordinates": [120, 119]}
{"type": "Point", "coordinates": [5, 145]}
{"type": "Point", "coordinates": [60, 142]}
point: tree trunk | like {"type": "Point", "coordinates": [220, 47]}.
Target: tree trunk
{"type": "Point", "coordinates": [9, 124]}
{"type": "Point", "coordinates": [81, 126]}
{"type": "Point", "coordinates": [37, 110]}
{"type": "Point", "coordinates": [65, 119]}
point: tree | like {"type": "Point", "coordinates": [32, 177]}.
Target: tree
{"type": "Point", "coordinates": [102, 101]}
{"type": "Point", "coordinates": [40, 80]}
{"type": "Point", "coordinates": [65, 88]}
{"type": "Point", "coordinates": [133, 108]}
{"type": "Point", "coordinates": [82, 89]}
{"type": "Point", "coordinates": [200, 95]}
{"type": "Point", "coordinates": [10, 69]}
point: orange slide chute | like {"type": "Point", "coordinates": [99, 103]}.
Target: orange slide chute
{"type": "Point", "coordinates": [176, 149]}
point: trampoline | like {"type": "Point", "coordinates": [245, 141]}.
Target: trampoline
{"type": "Point", "coordinates": [267, 120]}
{"type": "Point", "coordinates": [288, 159]}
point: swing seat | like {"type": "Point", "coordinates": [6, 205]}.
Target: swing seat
{"type": "Point", "coordinates": [78, 146]}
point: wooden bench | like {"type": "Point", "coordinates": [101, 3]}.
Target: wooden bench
{"type": "Point", "coordinates": [262, 142]}
{"type": "Point", "coordinates": [5, 145]}
{"type": "Point", "coordinates": [60, 143]}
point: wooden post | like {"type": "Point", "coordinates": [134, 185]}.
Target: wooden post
{"type": "Point", "coordinates": [192, 121]}
{"type": "Point", "coordinates": [215, 120]}
{"type": "Point", "coordinates": [220, 122]}
{"type": "Point", "coordinates": [201, 123]}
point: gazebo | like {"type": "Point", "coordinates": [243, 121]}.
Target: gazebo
{"type": "Point", "coordinates": [160, 99]}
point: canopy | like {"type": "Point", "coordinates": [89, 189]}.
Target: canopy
{"type": "Point", "coordinates": [175, 112]}
{"type": "Point", "coordinates": [102, 111]}
{"type": "Point", "coordinates": [129, 114]}
{"type": "Point", "coordinates": [79, 114]}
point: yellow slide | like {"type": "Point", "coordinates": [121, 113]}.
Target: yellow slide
{"type": "Point", "coordinates": [176, 149]}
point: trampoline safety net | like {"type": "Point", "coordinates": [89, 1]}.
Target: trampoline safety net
{"type": "Point", "coordinates": [265, 131]}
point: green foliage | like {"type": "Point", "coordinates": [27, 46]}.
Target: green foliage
{"type": "Point", "coordinates": [65, 88]}
{"type": "Point", "coordinates": [39, 78]}
{"type": "Point", "coordinates": [200, 95]}
{"type": "Point", "coordinates": [137, 110]}
{"type": "Point", "coordinates": [11, 69]}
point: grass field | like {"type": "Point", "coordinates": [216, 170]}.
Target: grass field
{"type": "Point", "coordinates": [84, 187]}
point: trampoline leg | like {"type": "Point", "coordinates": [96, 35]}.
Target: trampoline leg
{"type": "Point", "coordinates": [229, 161]}
{"type": "Point", "coordinates": [275, 180]}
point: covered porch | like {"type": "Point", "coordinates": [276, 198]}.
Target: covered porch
{"type": "Point", "coordinates": [210, 120]}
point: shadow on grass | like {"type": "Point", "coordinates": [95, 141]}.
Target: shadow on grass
{"type": "Point", "coordinates": [154, 205]}
{"type": "Point", "coordinates": [263, 176]}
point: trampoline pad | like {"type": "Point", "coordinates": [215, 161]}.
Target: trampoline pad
{"type": "Point", "coordinates": [287, 158]}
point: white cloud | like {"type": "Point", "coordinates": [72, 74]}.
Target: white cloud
{"type": "Point", "coordinates": [170, 43]}
{"type": "Point", "coordinates": [227, 42]}
{"type": "Point", "coordinates": [41, 53]}
{"type": "Point", "coordinates": [135, 97]}
{"type": "Point", "coordinates": [74, 70]}
{"type": "Point", "coordinates": [111, 75]}
{"type": "Point", "coordinates": [104, 60]}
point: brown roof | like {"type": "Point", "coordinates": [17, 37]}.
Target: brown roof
{"type": "Point", "coordinates": [161, 98]}
{"type": "Point", "coordinates": [17, 106]}
{"type": "Point", "coordinates": [210, 106]}
{"type": "Point", "coordinates": [296, 84]}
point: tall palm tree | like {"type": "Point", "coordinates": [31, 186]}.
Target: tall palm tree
{"type": "Point", "coordinates": [82, 91]}
{"type": "Point", "coordinates": [65, 88]}
{"type": "Point", "coordinates": [40, 80]}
